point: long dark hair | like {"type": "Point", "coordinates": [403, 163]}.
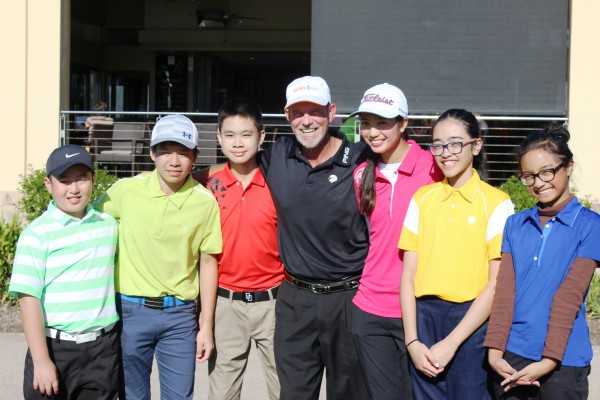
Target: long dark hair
{"type": "Point", "coordinates": [469, 121]}
{"type": "Point", "coordinates": [366, 189]}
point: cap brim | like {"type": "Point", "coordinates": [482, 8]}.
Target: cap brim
{"type": "Point", "coordinates": [61, 169]}
{"type": "Point", "coordinates": [375, 111]}
{"type": "Point", "coordinates": [176, 140]}
{"type": "Point", "coordinates": [306, 100]}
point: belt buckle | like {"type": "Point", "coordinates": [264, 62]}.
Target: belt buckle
{"type": "Point", "coordinates": [249, 297]}
{"type": "Point", "coordinates": [320, 288]}
{"type": "Point", "coordinates": [155, 303]}
{"type": "Point", "coordinates": [86, 337]}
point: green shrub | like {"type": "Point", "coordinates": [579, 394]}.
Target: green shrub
{"type": "Point", "coordinates": [9, 234]}
{"type": "Point", "coordinates": [518, 193]}
{"type": "Point", "coordinates": [36, 198]}
{"type": "Point", "coordinates": [592, 302]}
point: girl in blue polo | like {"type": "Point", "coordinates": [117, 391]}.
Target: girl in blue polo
{"type": "Point", "coordinates": [538, 338]}
{"type": "Point", "coordinates": [451, 240]}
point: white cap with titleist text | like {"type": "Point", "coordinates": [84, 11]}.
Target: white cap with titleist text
{"type": "Point", "coordinates": [384, 100]}
{"type": "Point", "coordinates": [175, 128]}
{"type": "Point", "coordinates": [313, 89]}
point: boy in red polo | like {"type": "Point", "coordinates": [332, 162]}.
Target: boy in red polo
{"type": "Point", "coordinates": [250, 270]}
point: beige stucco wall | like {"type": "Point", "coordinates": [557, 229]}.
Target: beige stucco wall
{"type": "Point", "coordinates": [584, 95]}
{"type": "Point", "coordinates": [30, 85]}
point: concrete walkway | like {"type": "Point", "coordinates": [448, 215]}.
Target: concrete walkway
{"type": "Point", "coordinates": [13, 348]}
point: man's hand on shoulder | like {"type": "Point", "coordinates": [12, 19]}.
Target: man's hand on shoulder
{"type": "Point", "coordinates": [200, 175]}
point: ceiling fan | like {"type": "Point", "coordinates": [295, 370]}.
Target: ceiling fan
{"type": "Point", "coordinates": [220, 18]}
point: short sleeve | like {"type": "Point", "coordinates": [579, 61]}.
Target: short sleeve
{"type": "Point", "coordinates": [29, 267]}
{"type": "Point", "coordinates": [495, 228]}
{"type": "Point", "coordinates": [212, 240]}
{"type": "Point", "coordinates": [108, 201]}
{"type": "Point", "coordinates": [506, 246]}
{"type": "Point", "coordinates": [410, 229]}
{"type": "Point", "coordinates": [264, 159]}
{"type": "Point", "coordinates": [590, 236]}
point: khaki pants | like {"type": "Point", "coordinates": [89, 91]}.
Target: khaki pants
{"type": "Point", "coordinates": [236, 324]}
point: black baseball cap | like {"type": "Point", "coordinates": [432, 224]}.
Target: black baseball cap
{"type": "Point", "coordinates": [65, 157]}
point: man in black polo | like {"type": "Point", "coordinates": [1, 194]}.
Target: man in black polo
{"type": "Point", "coordinates": [323, 243]}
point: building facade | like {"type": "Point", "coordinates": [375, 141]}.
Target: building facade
{"type": "Point", "coordinates": [186, 56]}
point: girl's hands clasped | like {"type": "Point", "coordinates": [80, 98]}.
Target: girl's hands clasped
{"type": "Point", "coordinates": [424, 360]}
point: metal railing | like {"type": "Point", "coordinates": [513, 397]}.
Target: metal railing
{"type": "Point", "coordinates": [123, 146]}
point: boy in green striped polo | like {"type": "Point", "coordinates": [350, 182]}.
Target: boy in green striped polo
{"type": "Point", "coordinates": [63, 275]}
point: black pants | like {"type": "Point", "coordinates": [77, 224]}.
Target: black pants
{"type": "Point", "coordinates": [564, 383]}
{"type": "Point", "coordinates": [86, 371]}
{"type": "Point", "coordinates": [313, 332]}
{"type": "Point", "coordinates": [383, 355]}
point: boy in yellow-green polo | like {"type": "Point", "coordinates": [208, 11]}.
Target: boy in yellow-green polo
{"type": "Point", "coordinates": [168, 223]}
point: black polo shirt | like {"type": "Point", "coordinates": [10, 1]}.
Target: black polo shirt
{"type": "Point", "coordinates": [322, 235]}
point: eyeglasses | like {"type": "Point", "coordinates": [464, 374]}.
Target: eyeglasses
{"type": "Point", "coordinates": [545, 175]}
{"type": "Point", "coordinates": [452, 147]}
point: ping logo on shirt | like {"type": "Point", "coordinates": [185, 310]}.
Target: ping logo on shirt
{"type": "Point", "coordinates": [346, 153]}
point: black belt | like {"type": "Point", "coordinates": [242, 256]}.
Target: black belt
{"type": "Point", "coordinates": [249, 297]}
{"type": "Point", "coordinates": [324, 287]}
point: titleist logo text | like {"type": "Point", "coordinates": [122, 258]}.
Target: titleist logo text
{"type": "Point", "coordinates": [376, 99]}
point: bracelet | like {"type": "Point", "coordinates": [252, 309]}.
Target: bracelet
{"type": "Point", "coordinates": [411, 342]}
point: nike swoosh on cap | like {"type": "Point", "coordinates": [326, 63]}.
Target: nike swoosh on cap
{"type": "Point", "coordinates": [71, 155]}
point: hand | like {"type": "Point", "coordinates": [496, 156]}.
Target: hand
{"type": "Point", "coordinates": [500, 365]}
{"type": "Point", "coordinates": [424, 360]}
{"type": "Point", "coordinates": [529, 375]}
{"type": "Point", "coordinates": [443, 351]}
{"type": "Point", "coordinates": [204, 344]}
{"type": "Point", "coordinates": [45, 377]}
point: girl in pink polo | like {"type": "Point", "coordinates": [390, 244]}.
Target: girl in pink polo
{"type": "Point", "coordinates": [385, 185]}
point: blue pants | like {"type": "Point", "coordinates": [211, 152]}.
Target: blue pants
{"type": "Point", "coordinates": [383, 355]}
{"type": "Point", "coordinates": [467, 377]}
{"type": "Point", "coordinates": [171, 334]}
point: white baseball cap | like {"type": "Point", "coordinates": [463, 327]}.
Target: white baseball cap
{"type": "Point", "coordinates": [313, 89]}
{"type": "Point", "coordinates": [384, 100]}
{"type": "Point", "coordinates": [175, 128]}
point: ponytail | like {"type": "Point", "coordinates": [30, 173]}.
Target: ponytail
{"type": "Point", "coordinates": [366, 189]}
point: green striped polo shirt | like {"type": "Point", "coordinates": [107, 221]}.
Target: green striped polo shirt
{"type": "Point", "coordinates": [68, 263]}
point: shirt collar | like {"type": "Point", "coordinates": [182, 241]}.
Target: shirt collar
{"type": "Point", "coordinates": [177, 198]}
{"type": "Point", "coordinates": [566, 216]}
{"type": "Point", "coordinates": [229, 178]}
{"type": "Point", "coordinates": [467, 191]}
{"type": "Point", "coordinates": [65, 219]}
{"type": "Point", "coordinates": [407, 166]}
{"type": "Point", "coordinates": [342, 157]}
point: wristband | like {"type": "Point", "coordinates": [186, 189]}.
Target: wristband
{"type": "Point", "coordinates": [411, 342]}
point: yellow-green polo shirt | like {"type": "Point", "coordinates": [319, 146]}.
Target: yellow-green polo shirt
{"type": "Point", "coordinates": [456, 232]}
{"type": "Point", "coordinates": [161, 237]}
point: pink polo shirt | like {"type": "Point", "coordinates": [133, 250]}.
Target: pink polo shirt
{"type": "Point", "coordinates": [379, 289]}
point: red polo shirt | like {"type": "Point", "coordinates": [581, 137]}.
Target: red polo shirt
{"type": "Point", "coordinates": [250, 259]}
